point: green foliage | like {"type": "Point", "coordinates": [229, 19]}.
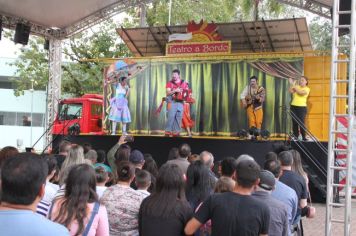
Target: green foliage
{"type": "Point", "coordinates": [321, 34]}
{"type": "Point", "coordinates": [31, 64]}
{"type": "Point", "coordinates": [185, 10]}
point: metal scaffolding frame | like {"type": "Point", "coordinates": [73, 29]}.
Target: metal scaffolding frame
{"type": "Point", "coordinates": [54, 84]}
{"type": "Point", "coordinates": [309, 5]}
{"type": "Point", "coordinates": [89, 21]}
{"type": "Point", "coordinates": [338, 96]}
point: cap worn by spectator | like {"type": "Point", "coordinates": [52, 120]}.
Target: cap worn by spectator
{"type": "Point", "coordinates": [136, 157]}
{"type": "Point", "coordinates": [267, 180]}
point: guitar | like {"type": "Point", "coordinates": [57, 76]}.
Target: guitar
{"type": "Point", "coordinates": [250, 99]}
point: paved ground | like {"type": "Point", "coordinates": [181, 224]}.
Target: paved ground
{"type": "Point", "coordinates": [316, 226]}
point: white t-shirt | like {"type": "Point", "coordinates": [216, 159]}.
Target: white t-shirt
{"type": "Point", "coordinates": [144, 193]}
{"type": "Point", "coordinates": [100, 190]}
{"type": "Point", "coordinates": [50, 191]}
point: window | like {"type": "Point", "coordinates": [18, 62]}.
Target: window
{"type": "Point", "coordinates": [70, 111]}
{"type": "Point", "coordinates": [96, 109]}
{"type": "Point", "coordinates": [21, 119]}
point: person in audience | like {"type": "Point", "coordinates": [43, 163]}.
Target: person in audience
{"type": "Point", "coordinates": [199, 185]}
{"type": "Point", "coordinates": [224, 184]}
{"type": "Point", "coordinates": [283, 192]}
{"type": "Point", "coordinates": [23, 179]}
{"type": "Point", "coordinates": [182, 161]}
{"type": "Point", "coordinates": [87, 147]}
{"type": "Point", "coordinates": [237, 212]}
{"type": "Point", "coordinates": [102, 177]}
{"type": "Point", "coordinates": [51, 189]}
{"type": "Point", "coordinates": [165, 211]}
{"type": "Point", "coordinates": [151, 166]}
{"type": "Point", "coordinates": [217, 169]}
{"type": "Point", "coordinates": [244, 157]}
{"type": "Point", "coordinates": [271, 156]}
{"type": "Point", "coordinates": [119, 152]}
{"type": "Point", "coordinates": [75, 157]}
{"type": "Point", "coordinates": [92, 156]}
{"type": "Point", "coordinates": [192, 158]}
{"type": "Point", "coordinates": [122, 202]}
{"type": "Point", "coordinates": [228, 167]}
{"type": "Point", "coordinates": [297, 166]}
{"type": "Point", "coordinates": [143, 182]}
{"type": "Point", "coordinates": [79, 210]}
{"type": "Point", "coordinates": [208, 160]}
{"type": "Point", "coordinates": [100, 161]}
{"type": "Point", "coordinates": [294, 181]}
{"type": "Point", "coordinates": [7, 152]}
{"type": "Point", "coordinates": [137, 159]}
{"type": "Point", "coordinates": [64, 147]}
{"type": "Point", "coordinates": [173, 153]}
{"type": "Point", "coordinates": [278, 224]}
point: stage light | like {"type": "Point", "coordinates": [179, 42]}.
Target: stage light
{"type": "Point", "coordinates": [22, 33]}
{"type": "Point", "coordinates": [265, 134]}
{"type": "Point", "coordinates": [254, 131]}
{"type": "Point", "coordinates": [46, 44]}
{"type": "Point", "coordinates": [242, 134]}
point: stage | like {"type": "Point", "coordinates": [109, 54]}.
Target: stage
{"type": "Point", "coordinates": [159, 146]}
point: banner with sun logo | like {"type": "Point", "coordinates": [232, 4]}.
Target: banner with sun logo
{"type": "Point", "coordinates": [201, 39]}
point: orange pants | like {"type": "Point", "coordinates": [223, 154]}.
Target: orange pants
{"type": "Point", "coordinates": [254, 117]}
{"type": "Point", "coordinates": [187, 121]}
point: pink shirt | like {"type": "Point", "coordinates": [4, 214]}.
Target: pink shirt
{"type": "Point", "coordinates": [99, 227]}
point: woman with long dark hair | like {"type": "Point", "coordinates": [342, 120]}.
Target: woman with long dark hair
{"type": "Point", "coordinates": [297, 166]}
{"type": "Point", "coordinates": [79, 209]}
{"type": "Point", "coordinates": [122, 202]}
{"type": "Point", "coordinates": [199, 183]}
{"type": "Point", "coordinates": [166, 211]}
{"type": "Point", "coordinates": [151, 166]}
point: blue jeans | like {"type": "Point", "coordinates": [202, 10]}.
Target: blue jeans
{"type": "Point", "coordinates": [174, 117]}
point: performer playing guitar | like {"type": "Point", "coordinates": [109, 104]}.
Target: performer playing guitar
{"type": "Point", "coordinates": [252, 98]}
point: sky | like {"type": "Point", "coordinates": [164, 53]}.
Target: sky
{"type": "Point", "coordinates": [8, 49]}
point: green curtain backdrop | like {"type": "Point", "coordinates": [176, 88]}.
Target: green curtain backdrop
{"type": "Point", "coordinates": [216, 86]}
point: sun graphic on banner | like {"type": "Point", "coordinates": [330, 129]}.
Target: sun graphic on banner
{"type": "Point", "coordinates": [203, 31]}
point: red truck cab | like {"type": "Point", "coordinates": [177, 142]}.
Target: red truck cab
{"type": "Point", "coordinates": [80, 115]}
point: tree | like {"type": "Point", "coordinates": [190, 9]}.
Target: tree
{"type": "Point", "coordinates": [210, 10]}
{"type": "Point", "coordinates": [321, 34]}
{"type": "Point", "coordinates": [78, 75]}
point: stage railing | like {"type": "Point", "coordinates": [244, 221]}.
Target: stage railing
{"type": "Point", "coordinates": [302, 145]}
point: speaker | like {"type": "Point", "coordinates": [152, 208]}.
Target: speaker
{"type": "Point", "coordinates": [46, 44]}
{"type": "Point", "coordinates": [22, 33]}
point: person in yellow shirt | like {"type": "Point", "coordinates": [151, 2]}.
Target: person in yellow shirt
{"type": "Point", "coordinates": [298, 107]}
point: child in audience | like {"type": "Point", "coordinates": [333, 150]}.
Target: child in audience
{"type": "Point", "coordinates": [102, 178]}
{"type": "Point", "coordinates": [224, 184]}
{"type": "Point", "coordinates": [143, 182]}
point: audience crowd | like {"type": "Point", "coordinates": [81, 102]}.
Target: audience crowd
{"type": "Point", "coordinates": [83, 191]}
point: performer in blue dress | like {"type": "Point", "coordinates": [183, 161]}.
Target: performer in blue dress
{"type": "Point", "coordinates": [119, 106]}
